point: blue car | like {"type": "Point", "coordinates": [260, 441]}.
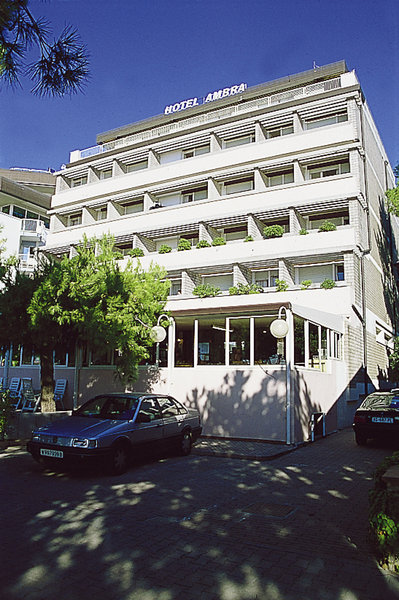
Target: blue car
{"type": "Point", "coordinates": [111, 428]}
{"type": "Point", "coordinates": [377, 417]}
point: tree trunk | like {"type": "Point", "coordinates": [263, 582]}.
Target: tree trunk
{"type": "Point", "coordinates": [47, 381]}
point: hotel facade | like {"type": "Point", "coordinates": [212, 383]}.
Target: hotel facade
{"type": "Point", "coordinates": [277, 189]}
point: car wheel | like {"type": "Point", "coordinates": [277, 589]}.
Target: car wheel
{"type": "Point", "coordinates": [360, 438]}
{"type": "Point", "coordinates": [118, 460]}
{"type": "Point", "coordinates": [186, 443]}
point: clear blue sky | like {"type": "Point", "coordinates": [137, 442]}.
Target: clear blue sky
{"type": "Point", "coordinates": [149, 53]}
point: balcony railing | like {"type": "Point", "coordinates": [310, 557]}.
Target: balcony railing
{"type": "Point", "coordinates": [34, 226]}
{"type": "Point", "coordinates": [272, 100]}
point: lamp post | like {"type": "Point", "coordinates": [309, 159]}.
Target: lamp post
{"type": "Point", "coordinates": [158, 334]}
{"type": "Point", "coordinates": [279, 328]}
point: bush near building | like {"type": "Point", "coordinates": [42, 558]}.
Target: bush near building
{"type": "Point", "coordinates": [384, 517]}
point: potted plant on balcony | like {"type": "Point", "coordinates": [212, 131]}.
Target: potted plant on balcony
{"type": "Point", "coordinates": [136, 252]}
{"type": "Point", "coordinates": [183, 245]}
{"type": "Point", "coordinates": [273, 231]}
{"type": "Point", "coordinates": [327, 226]}
{"type": "Point", "coordinates": [218, 241]}
{"type": "Point", "coordinates": [281, 285]}
{"type": "Point", "coordinates": [328, 284]}
{"type": "Point", "coordinates": [248, 238]}
{"type": "Point", "coordinates": [241, 288]}
{"type": "Point", "coordinates": [205, 290]}
{"type": "Point", "coordinates": [164, 249]}
{"type": "Point", "coordinates": [305, 284]}
{"type": "Point", "coordinates": [303, 231]}
{"type": "Point", "coordinates": [203, 244]}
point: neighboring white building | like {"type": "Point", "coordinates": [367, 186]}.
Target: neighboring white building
{"type": "Point", "coordinates": [292, 152]}
{"type": "Point", "coordinates": [25, 196]}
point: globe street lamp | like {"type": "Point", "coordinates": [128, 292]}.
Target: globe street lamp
{"type": "Point", "coordinates": [280, 328]}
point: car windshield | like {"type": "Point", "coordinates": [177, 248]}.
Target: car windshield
{"type": "Point", "coordinates": [109, 407]}
{"type": "Point", "coordinates": [375, 401]}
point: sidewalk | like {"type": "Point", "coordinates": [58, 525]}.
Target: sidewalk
{"type": "Point", "coordinates": [232, 448]}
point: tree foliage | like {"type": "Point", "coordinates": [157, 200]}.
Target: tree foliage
{"type": "Point", "coordinates": [87, 300]}
{"type": "Point", "coordinates": [393, 195]}
{"type": "Point", "coordinates": [62, 67]}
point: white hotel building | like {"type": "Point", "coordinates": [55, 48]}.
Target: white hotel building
{"type": "Point", "coordinates": [292, 152]}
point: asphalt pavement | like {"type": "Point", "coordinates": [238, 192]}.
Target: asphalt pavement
{"type": "Point", "coordinates": [265, 522]}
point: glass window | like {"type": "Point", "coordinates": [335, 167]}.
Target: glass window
{"type": "Point", "coordinates": [211, 340]}
{"type": "Point", "coordinates": [6, 209]}
{"type": "Point", "coordinates": [102, 356]}
{"type": "Point", "coordinates": [19, 212]}
{"type": "Point", "coordinates": [339, 272]}
{"type": "Point", "coordinates": [60, 357]}
{"type": "Point", "coordinates": [100, 213]}
{"type": "Point", "coordinates": [138, 166]}
{"type": "Point", "coordinates": [322, 122]}
{"type": "Point", "coordinates": [169, 407]}
{"type": "Point", "coordinates": [239, 185]}
{"type": "Point", "coordinates": [299, 341]}
{"type": "Point", "coordinates": [268, 350]}
{"type": "Point", "coordinates": [265, 278]}
{"type": "Point", "coordinates": [78, 181]}
{"type": "Point", "coordinates": [222, 281]}
{"type": "Point", "coordinates": [149, 411]}
{"type": "Point", "coordinates": [274, 132]}
{"type": "Point", "coordinates": [175, 287]}
{"type": "Point", "coordinates": [31, 215]}
{"type": "Point", "coordinates": [134, 206]}
{"type": "Point", "coordinates": [75, 219]}
{"type": "Point", "coordinates": [184, 347]}
{"type": "Point", "coordinates": [280, 178]}
{"type": "Point", "coordinates": [328, 170]}
{"type": "Point", "coordinates": [314, 355]}
{"type": "Point", "coordinates": [196, 151]}
{"type": "Point", "coordinates": [193, 195]}
{"type": "Point", "coordinates": [106, 174]}
{"type": "Point", "coordinates": [239, 141]}
{"type": "Point", "coordinates": [239, 351]}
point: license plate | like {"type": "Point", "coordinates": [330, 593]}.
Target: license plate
{"type": "Point", "coordinates": [382, 420]}
{"type": "Point", "coordinates": [52, 453]}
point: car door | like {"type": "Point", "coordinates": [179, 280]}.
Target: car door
{"type": "Point", "coordinates": [173, 416]}
{"type": "Point", "coordinates": [148, 424]}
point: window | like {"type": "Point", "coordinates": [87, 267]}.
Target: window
{"type": "Point", "coordinates": [6, 209]}
{"type": "Point", "coordinates": [224, 281]}
{"type": "Point", "coordinates": [106, 174]}
{"type": "Point", "coordinates": [31, 215]}
{"type": "Point", "coordinates": [184, 346]}
{"type": "Point", "coordinates": [148, 412]}
{"type": "Point", "coordinates": [134, 206]}
{"type": "Point", "coordinates": [279, 178]}
{"type": "Point", "coordinates": [239, 141]}
{"type": "Point", "coordinates": [315, 222]}
{"type": "Point", "coordinates": [75, 219]}
{"type": "Point", "coordinates": [211, 340]}
{"type": "Point", "coordinates": [175, 287]}
{"type": "Point", "coordinates": [339, 273]}
{"type": "Point", "coordinates": [239, 352]}
{"type": "Point", "coordinates": [328, 169]}
{"type": "Point", "coordinates": [233, 233]}
{"type": "Point", "coordinates": [268, 349]}
{"type": "Point", "coordinates": [196, 151]}
{"type": "Point", "coordinates": [100, 213]}
{"type": "Point", "coordinates": [266, 278]}
{"type": "Point", "coordinates": [78, 181]}
{"type": "Point", "coordinates": [170, 407]}
{"type": "Point", "coordinates": [195, 194]}
{"type": "Point", "coordinates": [279, 131]}
{"type": "Point", "coordinates": [138, 166]}
{"type": "Point", "coordinates": [18, 212]}
{"type": "Point", "coordinates": [239, 185]}
{"type": "Point", "coordinates": [322, 122]}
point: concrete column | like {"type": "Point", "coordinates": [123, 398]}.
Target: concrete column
{"type": "Point", "coordinates": [188, 283]}
{"type": "Point", "coordinates": [255, 227]}
{"type": "Point", "coordinates": [92, 176]}
{"type": "Point", "coordinates": [214, 190]}
{"type": "Point", "coordinates": [61, 184]}
{"type": "Point", "coordinates": [144, 242]}
{"type": "Point", "coordinates": [241, 275]}
{"type": "Point", "coordinates": [298, 125]}
{"type": "Point", "coordinates": [153, 159]}
{"type": "Point", "coordinates": [298, 173]}
{"type": "Point", "coordinates": [259, 181]}
{"type": "Point", "coordinates": [215, 143]}
{"type": "Point", "coordinates": [286, 272]}
{"type": "Point", "coordinates": [117, 168]}
{"type": "Point", "coordinates": [260, 135]}
{"type": "Point", "coordinates": [114, 210]}
{"type": "Point", "coordinates": [297, 222]}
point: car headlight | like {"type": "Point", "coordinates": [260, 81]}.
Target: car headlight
{"type": "Point", "coordinates": [83, 443]}
{"type": "Point", "coordinates": [35, 437]}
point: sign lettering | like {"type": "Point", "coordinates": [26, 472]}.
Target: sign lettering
{"type": "Point", "coordinates": [210, 97]}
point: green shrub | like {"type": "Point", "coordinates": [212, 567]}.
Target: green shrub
{"type": "Point", "coordinates": [164, 249]}
{"type": "Point", "coordinates": [306, 284]}
{"type": "Point", "coordinates": [384, 517]}
{"type": "Point", "coordinates": [203, 244]}
{"type": "Point", "coordinates": [303, 231]}
{"type": "Point", "coordinates": [328, 284]}
{"type": "Point", "coordinates": [136, 252]}
{"type": "Point", "coordinates": [5, 412]}
{"type": "Point", "coordinates": [241, 288]}
{"type": "Point", "coordinates": [281, 285]}
{"type": "Point", "coordinates": [183, 244]}
{"type": "Point", "coordinates": [249, 238]}
{"type": "Point", "coordinates": [218, 241]}
{"type": "Point", "coordinates": [273, 231]}
{"type": "Point", "coordinates": [327, 226]}
{"type": "Point", "coordinates": [205, 290]}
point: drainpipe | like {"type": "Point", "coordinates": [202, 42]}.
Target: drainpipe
{"type": "Point", "coordinates": [289, 361]}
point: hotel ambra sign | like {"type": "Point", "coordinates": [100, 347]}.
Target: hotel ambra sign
{"type": "Point", "coordinates": [210, 97]}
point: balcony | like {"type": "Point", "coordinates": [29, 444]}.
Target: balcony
{"type": "Point", "coordinates": [33, 229]}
